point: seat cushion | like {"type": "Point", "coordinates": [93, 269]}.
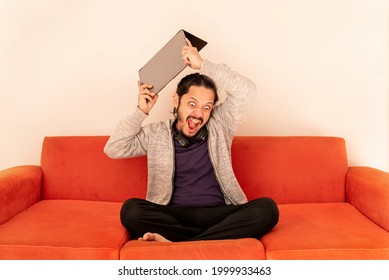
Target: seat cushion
{"type": "Point", "coordinates": [59, 229]}
{"type": "Point", "coordinates": [325, 231]}
{"type": "Point", "coordinates": [238, 249]}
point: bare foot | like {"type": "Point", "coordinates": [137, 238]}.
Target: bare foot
{"type": "Point", "coordinates": [149, 236]}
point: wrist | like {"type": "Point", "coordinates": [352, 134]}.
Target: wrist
{"type": "Point", "coordinates": [200, 64]}
{"type": "Point", "coordinates": [142, 110]}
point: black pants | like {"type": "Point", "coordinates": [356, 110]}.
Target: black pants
{"type": "Point", "coordinates": [252, 219]}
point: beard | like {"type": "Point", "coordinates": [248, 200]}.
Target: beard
{"type": "Point", "coordinates": [192, 122]}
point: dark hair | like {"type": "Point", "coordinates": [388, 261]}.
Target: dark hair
{"type": "Point", "coordinates": [196, 79]}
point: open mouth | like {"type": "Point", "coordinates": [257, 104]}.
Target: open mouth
{"type": "Point", "coordinates": [194, 122]}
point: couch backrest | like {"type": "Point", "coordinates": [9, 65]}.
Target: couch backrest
{"type": "Point", "coordinates": [291, 169]}
{"type": "Point", "coordinates": [77, 168]}
{"type": "Point", "coordinates": [288, 169]}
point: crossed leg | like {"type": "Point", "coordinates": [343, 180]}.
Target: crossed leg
{"type": "Point", "coordinates": [148, 221]}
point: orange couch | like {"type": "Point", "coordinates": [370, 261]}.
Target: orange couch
{"type": "Point", "coordinates": [68, 207]}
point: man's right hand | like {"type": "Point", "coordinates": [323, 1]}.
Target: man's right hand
{"type": "Point", "coordinates": [146, 97]}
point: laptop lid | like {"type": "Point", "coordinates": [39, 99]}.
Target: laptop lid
{"type": "Point", "coordinates": [167, 63]}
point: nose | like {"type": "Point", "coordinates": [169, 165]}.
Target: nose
{"type": "Point", "coordinates": [198, 113]}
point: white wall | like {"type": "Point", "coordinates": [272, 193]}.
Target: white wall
{"type": "Point", "coordinates": [70, 67]}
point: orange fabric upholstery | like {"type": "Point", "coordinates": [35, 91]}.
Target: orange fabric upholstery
{"type": "Point", "coordinates": [64, 229]}
{"type": "Point", "coordinates": [325, 231]}
{"type": "Point", "coordinates": [368, 190]}
{"type": "Point", "coordinates": [77, 168]}
{"type": "Point", "coordinates": [68, 208]}
{"type": "Point", "coordinates": [20, 188]}
{"type": "Point", "coordinates": [291, 169]}
{"type": "Point", "coordinates": [241, 249]}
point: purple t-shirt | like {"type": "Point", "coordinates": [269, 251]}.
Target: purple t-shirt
{"type": "Point", "coordinates": [195, 183]}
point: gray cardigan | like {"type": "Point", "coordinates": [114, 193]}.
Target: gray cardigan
{"type": "Point", "coordinates": [155, 140]}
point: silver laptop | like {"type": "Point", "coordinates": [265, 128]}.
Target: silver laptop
{"type": "Point", "coordinates": [167, 63]}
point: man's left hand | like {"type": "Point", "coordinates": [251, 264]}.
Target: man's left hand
{"type": "Point", "coordinates": [191, 56]}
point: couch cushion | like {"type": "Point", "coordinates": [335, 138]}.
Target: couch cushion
{"type": "Point", "coordinates": [77, 168]}
{"type": "Point", "coordinates": [291, 169]}
{"type": "Point", "coordinates": [325, 231]}
{"type": "Point", "coordinates": [238, 249]}
{"type": "Point", "coordinates": [59, 229]}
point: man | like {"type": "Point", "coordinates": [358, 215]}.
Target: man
{"type": "Point", "coordinates": [192, 191]}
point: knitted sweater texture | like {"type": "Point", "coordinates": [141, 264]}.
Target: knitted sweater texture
{"type": "Point", "coordinates": [131, 139]}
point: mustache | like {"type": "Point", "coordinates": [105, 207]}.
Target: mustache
{"type": "Point", "coordinates": [193, 117]}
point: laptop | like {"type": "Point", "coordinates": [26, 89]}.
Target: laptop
{"type": "Point", "coordinates": [167, 63]}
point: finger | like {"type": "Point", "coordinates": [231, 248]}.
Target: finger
{"type": "Point", "coordinates": [146, 87]}
{"type": "Point", "coordinates": [185, 59]}
{"type": "Point", "coordinates": [151, 94]}
{"type": "Point", "coordinates": [184, 55]}
{"type": "Point", "coordinates": [188, 42]}
{"type": "Point", "coordinates": [154, 99]}
{"type": "Point", "coordinates": [148, 98]}
{"type": "Point", "coordinates": [145, 90]}
{"type": "Point", "coordinates": [146, 93]}
{"type": "Point", "coordinates": [143, 86]}
{"type": "Point", "coordinates": [151, 100]}
{"type": "Point", "coordinates": [140, 87]}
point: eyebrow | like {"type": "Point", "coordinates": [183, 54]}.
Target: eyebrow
{"type": "Point", "coordinates": [194, 98]}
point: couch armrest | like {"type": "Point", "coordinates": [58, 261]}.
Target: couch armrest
{"type": "Point", "coordinates": [20, 188]}
{"type": "Point", "coordinates": [368, 190]}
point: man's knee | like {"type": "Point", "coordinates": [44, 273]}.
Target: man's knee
{"type": "Point", "coordinates": [267, 210]}
{"type": "Point", "coordinates": [131, 212]}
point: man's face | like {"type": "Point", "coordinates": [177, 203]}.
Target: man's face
{"type": "Point", "coordinates": [194, 109]}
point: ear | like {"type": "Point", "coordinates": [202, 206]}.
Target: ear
{"type": "Point", "coordinates": [176, 99]}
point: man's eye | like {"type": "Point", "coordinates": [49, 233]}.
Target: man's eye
{"type": "Point", "coordinates": [192, 104]}
{"type": "Point", "coordinates": [207, 108]}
